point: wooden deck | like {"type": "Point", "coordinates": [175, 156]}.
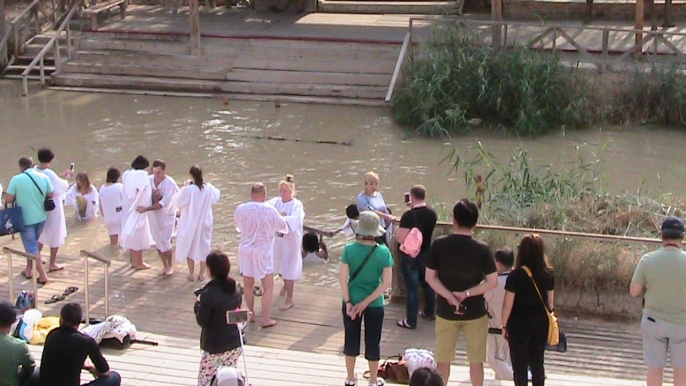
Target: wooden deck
{"type": "Point", "coordinates": [305, 346]}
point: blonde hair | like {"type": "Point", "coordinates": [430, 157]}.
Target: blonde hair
{"type": "Point", "coordinates": [83, 177]}
{"type": "Point", "coordinates": [288, 182]}
{"type": "Point", "coordinates": [370, 177]}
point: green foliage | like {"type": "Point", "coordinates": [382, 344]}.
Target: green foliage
{"type": "Point", "coordinates": [458, 83]}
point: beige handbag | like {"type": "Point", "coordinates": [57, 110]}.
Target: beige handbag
{"type": "Point", "coordinates": [553, 327]}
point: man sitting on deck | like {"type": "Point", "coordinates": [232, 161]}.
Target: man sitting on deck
{"type": "Point", "coordinates": [65, 354]}
{"type": "Point", "coordinates": [15, 352]}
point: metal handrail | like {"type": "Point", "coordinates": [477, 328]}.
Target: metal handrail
{"type": "Point", "coordinates": [50, 44]}
{"type": "Point", "coordinates": [13, 26]}
{"type": "Point", "coordinates": [92, 255]}
{"type": "Point", "coordinates": [399, 64]}
{"type": "Point", "coordinates": [34, 274]}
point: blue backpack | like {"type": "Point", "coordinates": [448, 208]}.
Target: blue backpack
{"type": "Point", "coordinates": [25, 301]}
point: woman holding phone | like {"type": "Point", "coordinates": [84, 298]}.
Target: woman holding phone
{"type": "Point", "coordinates": [365, 273]}
{"type": "Point", "coordinates": [219, 341]}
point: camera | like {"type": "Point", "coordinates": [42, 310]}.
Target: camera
{"type": "Point", "coordinates": [407, 198]}
{"type": "Point", "coordinates": [237, 316]}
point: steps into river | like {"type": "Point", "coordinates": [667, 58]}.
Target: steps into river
{"type": "Point", "coordinates": [386, 7]}
{"type": "Point", "coordinates": [311, 70]}
{"type": "Point", "coordinates": [29, 51]}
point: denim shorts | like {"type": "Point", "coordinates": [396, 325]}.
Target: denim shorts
{"type": "Point", "coordinates": [30, 235]}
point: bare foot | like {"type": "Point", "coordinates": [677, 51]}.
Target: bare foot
{"type": "Point", "coordinates": [55, 267]}
{"type": "Point", "coordinates": [283, 291]}
{"type": "Point", "coordinates": [142, 267]}
{"type": "Point", "coordinates": [268, 323]}
{"type": "Point", "coordinates": [201, 277]}
{"type": "Point", "coordinates": [27, 274]}
{"type": "Point", "coordinates": [191, 277]}
{"type": "Point", "coordinates": [162, 272]}
{"type": "Point", "coordinates": [170, 270]}
{"type": "Point", "coordinates": [252, 318]}
{"type": "Point", "coordinates": [287, 306]}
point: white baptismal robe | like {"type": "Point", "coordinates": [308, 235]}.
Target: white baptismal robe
{"type": "Point", "coordinates": [55, 229]}
{"type": "Point", "coordinates": [135, 229]}
{"type": "Point", "coordinates": [163, 220]}
{"type": "Point", "coordinates": [257, 222]}
{"type": "Point", "coordinates": [194, 234]}
{"type": "Point", "coordinates": [288, 260]}
{"type": "Point", "coordinates": [89, 202]}
{"type": "Point", "coordinates": [111, 198]}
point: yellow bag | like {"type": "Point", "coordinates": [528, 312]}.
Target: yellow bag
{"type": "Point", "coordinates": [553, 327]}
{"type": "Point", "coordinates": [43, 327]}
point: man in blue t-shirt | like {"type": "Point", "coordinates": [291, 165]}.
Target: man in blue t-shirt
{"type": "Point", "coordinates": [29, 190]}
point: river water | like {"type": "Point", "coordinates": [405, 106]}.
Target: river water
{"type": "Point", "coordinates": [96, 131]}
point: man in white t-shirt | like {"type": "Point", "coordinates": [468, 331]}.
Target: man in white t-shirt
{"type": "Point", "coordinates": [497, 348]}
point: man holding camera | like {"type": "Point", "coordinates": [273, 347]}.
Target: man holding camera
{"type": "Point", "coordinates": [413, 269]}
{"type": "Point", "coordinates": [461, 269]}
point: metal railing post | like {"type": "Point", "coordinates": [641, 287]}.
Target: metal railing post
{"type": "Point", "coordinates": [57, 56]}
{"type": "Point", "coordinates": [24, 85]}
{"type": "Point", "coordinates": [85, 285]}
{"type": "Point", "coordinates": [107, 291]}
{"type": "Point", "coordinates": [68, 41]}
{"type": "Point", "coordinates": [87, 255]}
{"type": "Point", "coordinates": [34, 269]}
{"type": "Point", "coordinates": [10, 275]}
{"type": "Point", "coordinates": [42, 72]}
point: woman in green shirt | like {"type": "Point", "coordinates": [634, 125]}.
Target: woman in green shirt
{"type": "Point", "coordinates": [365, 273]}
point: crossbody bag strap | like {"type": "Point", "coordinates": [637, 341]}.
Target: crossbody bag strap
{"type": "Point", "coordinates": [528, 272]}
{"type": "Point", "coordinates": [34, 182]}
{"type": "Point", "coordinates": [357, 271]}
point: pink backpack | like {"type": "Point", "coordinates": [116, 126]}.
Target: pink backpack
{"type": "Point", "coordinates": [413, 243]}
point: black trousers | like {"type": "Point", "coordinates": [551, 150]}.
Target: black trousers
{"type": "Point", "coordinates": [528, 337]}
{"type": "Point", "coordinates": [373, 324]}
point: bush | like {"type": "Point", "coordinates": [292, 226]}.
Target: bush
{"type": "Point", "coordinates": [458, 83]}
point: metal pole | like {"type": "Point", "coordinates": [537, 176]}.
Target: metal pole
{"type": "Point", "coordinates": [24, 86]}
{"type": "Point", "coordinates": [57, 56]}
{"type": "Point", "coordinates": [68, 41]}
{"type": "Point", "coordinates": [34, 276]}
{"type": "Point", "coordinates": [42, 72]}
{"type": "Point", "coordinates": [107, 291]}
{"type": "Point", "coordinates": [9, 274]}
{"type": "Point", "coordinates": [85, 286]}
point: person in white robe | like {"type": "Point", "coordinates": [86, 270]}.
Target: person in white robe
{"type": "Point", "coordinates": [55, 229]}
{"type": "Point", "coordinates": [194, 235]}
{"type": "Point", "coordinates": [84, 198]}
{"type": "Point", "coordinates": [288, 260]}
{"type": "Point", "coordinates": [135, 230]}
{"type": "Point", "coordinates": [111, 197]}
{"type": "Point", "coordinates": [162, 214]}
{"type": "Point", "coordinates": [258, 222]}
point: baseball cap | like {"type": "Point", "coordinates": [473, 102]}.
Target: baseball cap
{"type": "Point", "coordinates": [673, 223]}
{"type": "Point", "coordinates": [8, 314]}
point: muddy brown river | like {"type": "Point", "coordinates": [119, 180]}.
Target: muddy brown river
{"type": "Point", "coordinates": [96, 131]}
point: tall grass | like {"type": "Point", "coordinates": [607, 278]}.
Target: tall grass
{"type": "Point", "coordinates": [457, 81]}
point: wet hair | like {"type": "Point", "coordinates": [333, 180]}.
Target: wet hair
{"type": "Point", "coordinates": [504, 256]}
{"type": "Point", "coordinates": [220, 266]}
{"type": "Point", "coordinates": [158, 163]}
{"type": "Point", "coordinates": [466, 213]}
{"type": "Point", "coordinates": [140, 163]}
{"type": "Point", "coordinates": [25, 162]}
{"type": "Point", "coordinates": [531, 253]}
{"type": "Point", "coordinates": [418, 192]}
{"type": "Point", "coordinates": [196, 173]}
{"type": "Point", "coordinates": [86, 182]}
{"type": "Point", "coordinates": [370, 176]}
{"type": "Point", "coordinates": [426, 376]}
{"type": "Point", "coordinates": [71, 314]}
{"type": "Point", "coordinates": [8, 314]}
{"type": "Point", "coordinates": [45, 155]}
{"type": "Point", "coordinates": [352, 212]}
{"type": "Point", "coordinates": [113, 175]}
{"type": "Point", "coordinates": [310, 242]}
{"type": "Point", "coordinates": [289, 182]}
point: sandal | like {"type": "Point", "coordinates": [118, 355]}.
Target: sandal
{"type": "Point", "coordinates": [257, 291]}
{"type": "Point", "coordinates": [55, 299]}
{"type": "Point", "coordinates": [351, 383]}
{"type": "Point", "coordinates": [429, 318]}
{"type": "Point", "coordinates": [379, 382]}
{"type": "Point", "coordinates": [403, 323]}
{"type": "Point", "coordinates": [69, 291]}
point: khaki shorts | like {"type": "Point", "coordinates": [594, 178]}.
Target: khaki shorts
{"type": "Point", "coordinates": [660, 337]}
{"type": "Point", "coordinates": [448, 331]}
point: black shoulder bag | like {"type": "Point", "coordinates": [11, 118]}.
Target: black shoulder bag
{"type": "Point", "coordinates": [48, 204]}
{"type": "Point", "coordinates": [357, 271]}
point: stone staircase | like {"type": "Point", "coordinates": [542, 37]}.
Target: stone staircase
{"type": "Point", "coordinates": [412, 7]}
{"type": "Point", "coordinates": [338, 72]}
{"type": "Point", "coordinates": [30, 50]}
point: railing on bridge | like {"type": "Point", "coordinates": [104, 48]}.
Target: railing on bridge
{"type": "Point", "coordinates": [86, 281]}
{"type": "Point", "coordinates": [34, 274]}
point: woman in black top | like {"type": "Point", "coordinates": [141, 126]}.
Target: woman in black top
{"type": "Point", "coordinates": [219, 341]}
{"type": "Point", "coordinates": [525, 321]}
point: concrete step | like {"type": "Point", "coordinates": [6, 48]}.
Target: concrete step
{"type": "Point", "coordinates": [21, 68]}
{"type": "Point", "coordinates": [392, 7]}
{"type": "Point", "coordinates": [147, 59]}
{"type": "Point", "coordinates": [183, 48]}
{"type": "Point", "coordinates": [43, 39]}
{"type": "Point", "coordinates": [34, 49]}
{"type": "Point", "coordinates": [134, 70]}
{"type": "Point", "coordinates": [309, 78]}
{"type": "Point", "coordinates": [205, 86]}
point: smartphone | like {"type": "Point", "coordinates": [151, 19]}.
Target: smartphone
{"type": "Point", "coordinates": [237, 316]}
{"type": "Point", "coordinates": [407, 198]}
{"type": "Point", "coordinates": [71, 166]}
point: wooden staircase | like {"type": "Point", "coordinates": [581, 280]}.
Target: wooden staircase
{"type": "Point", "coordinates": [19, 62]}
{"type": "Point", "coordinates": [306, 70]}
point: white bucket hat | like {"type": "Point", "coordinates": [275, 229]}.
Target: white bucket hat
{"type": "Point", "coordinates": [368, 224]}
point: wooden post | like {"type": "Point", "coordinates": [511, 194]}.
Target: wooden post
{"type": "Point", "coordinates": [497, 16]}
{"type": "Point", "coordinates": [3, 52]}
{"type": "Point", "coordinates": [606, 49]}
{"type": "Point", "coordinates": [640, 11]}
{"type": "Point", "coordinates": [194, 16]}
